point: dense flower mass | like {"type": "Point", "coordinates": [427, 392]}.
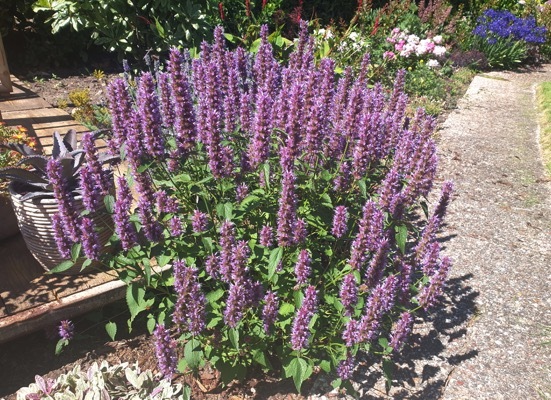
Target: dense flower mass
{"type": "Point", "coordinates": [282, 198]}
{"type": "Point", "coordinates": [494, 24]}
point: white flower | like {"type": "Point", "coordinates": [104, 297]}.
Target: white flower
{"type": "Point", "coordinates": [422, 47]}
{"type": "Point", "coordinates": [414, 39]}
{"type": "Point", "coordinates": [439, 51]}
{"type": "Point", "coordinates": [437, 39]}
{"type": "Point", "coordinates": [522, 2]}
{"type": "Point", "coordinates": [433, 64]}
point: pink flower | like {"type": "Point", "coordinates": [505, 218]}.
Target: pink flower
{"type": "Point", "coordinates": [389, 55]}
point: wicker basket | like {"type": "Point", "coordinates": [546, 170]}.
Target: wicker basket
{"type": "Point", "coordinates": [34, 217]}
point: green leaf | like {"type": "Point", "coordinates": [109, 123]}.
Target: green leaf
{"type": "Point", "coordinates": [225, 210]}
{"type": "Point", "coordinates": [62, 267]}
{"type": "Point", "coordinates": [299, 370]}
{"type": "Point", "coordinates": [193, 353]}
{"type": "Point", "coordinates": [61, 343]}
{"type": "Point", "coordinates": [260, 357]}
{"type": "Point", "coordinates": [215, 295]}
{"type": "Point", "coordinates": [387, 372]}
{"type": "Point", "coordinates": [286, 309]}
{"type": "Point", "coordinates": [401, 235]}
{"type": "Point", "coordinates": [325, 365]}
{"type": "Point", "coordinates": [208, 244]}
{"type": "Point", "coordinates": [275, 257]}
{"type": "Point", "coordinates": [233, 334]}
{"type": "Point", "coordinates": [75, 251]}
{"type": "Point", "coordinates": [111, 329]}
{"type": "Point", "coordinates": [109, 202]}
{"type": "Point", "coordinates": [163, 260]}
{"type": "Point", "coordinates": [135, 299]}
{"type": "Point", "coordinates": [151, 325]}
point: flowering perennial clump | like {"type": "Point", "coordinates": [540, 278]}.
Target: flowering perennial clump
{"type": "Point", "coordinates": [282, 196]}
{"type": "Point", "coordinates": [502, 24]}
{"type": "Point", "coordinates": [410, 45]}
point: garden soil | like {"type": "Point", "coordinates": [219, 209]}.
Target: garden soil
{"type": "Point", "coordinates": [487, 341]}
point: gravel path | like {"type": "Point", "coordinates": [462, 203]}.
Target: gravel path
{"type": "Point", "coordinates": [501, 223]}
{"type": "Point", "coordinates": [486, 343]}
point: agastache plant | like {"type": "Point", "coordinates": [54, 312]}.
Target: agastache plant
{"type": "Point", "coordinates": [286, 199]}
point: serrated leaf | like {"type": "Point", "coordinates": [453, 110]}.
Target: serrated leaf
{"type": "Point", "coordinates": [208, 244]}
{"type": "Point", "coordinates": [111, 329]}
{"type": "Point", "coordinates": [193, 354]}
{"type": "Point", "coordinates": [215, 295]}
{"type": "Point", "coordinates": [260, 357]}
{"type": "Point", "coordinates": [109, 202]}
{"type": "Point", "coordinates": [62, 267]}
{"type": "Point", "coordinates": [163, 260]}
{"type": "Point", "coordinates": [275, 257]}
{"type": "Point", "coordinates": [286, 309]}
{"type": "Point", "coordinates": [325, 365]}
{"type": "Point", "coordinates": [151, 325]}
{"type": "Point", "coordinates": [299, 370]}
{"type": "Point", "coordinates": [75, 251]}
{"type": "Point", "coordinates": [233, 334]}
{"type": "Point", "coordinates": [225, 211]}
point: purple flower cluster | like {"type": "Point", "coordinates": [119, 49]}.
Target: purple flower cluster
{"type": "Point", "coordinates": [165, 351]}
{"type": "Point", "coordinates": [66, 330]}
{"type": "Point", "coordinates": [300, 332]}
{"type": "Point", "coordinates": [189, 310]}
{"type": "Point", "coordinates": [495, 24]}
{"type": "Point", "coordinates": [349, 293]}
{"type": "Point", "coordinates": [401, 331]}
{"type": "Point", "coordinates": [302, 267]}
{"type": "Point", "coordinates": [270, 310]}
{"type": "Point", "coordinates": [340, 219]}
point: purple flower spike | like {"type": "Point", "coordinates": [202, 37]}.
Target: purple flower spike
{"type": "Point", "coordinates": [66, 329]}
{"type": "Point", "coordinates": [300, 332]}
{"type": "Point", "coordinates": [91, 197]}
{"type": "Point", "coordinates": [301, 231]}
{"type": "Point", "coordinates": [428, 296]}
{"type": "Point", "coordinates": [340, 220]}
{"type": "Point", "coordinates": [185, 121]}
{"type": "Point", "coordinates": [150, 116]}
{"type": "Point", "coordinates": [369, 235]}
{"type": "Point", "coordinates": [266, 236]}
{"type": "Point", "coordinates": [165, 97]}
{"type": "Point", "coordinates": [61, 239]}
{"type": "Point", "coordinates": [302, 267]}
{"type": "Point", "coordinates": [189, 310]}
{"type": "Point", "coordinates": [120, 107]}
{"type": "Point", "coordinates": [175, 226]}
{"type": "Point", "coordinates": [270, 310]}
{"type": "Point", "coordinates": [166, 203]}
{"type": "Point", "coordinates": [401, 331]}
{"type": "Point", "coordinates": [199, 221]}
{"type": "Point", "coordinates": [235, 305]}
{"type": "Point", "coordinates": [349, 293]}
{"type": "Point", "coordinates": [64, 199]}
{"type": "Point", "coordinates": [241, 192]}
{"type": "Point", "coordinates": [346, 367]}
{"type": "Point", "coordinates": [90, 239]}
{"type": "Point", "coordinates": [165, 351]}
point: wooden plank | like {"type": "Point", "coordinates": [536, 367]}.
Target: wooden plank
{"type": "Point", "coordinates": [21, 98]}
{"type": "Point", "coordinates": [41, 123]}
{"type": "Point", "coordinates": [63, 308]}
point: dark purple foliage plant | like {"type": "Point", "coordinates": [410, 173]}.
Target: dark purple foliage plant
{"type": "Point", "coordinates": [294, 193]}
